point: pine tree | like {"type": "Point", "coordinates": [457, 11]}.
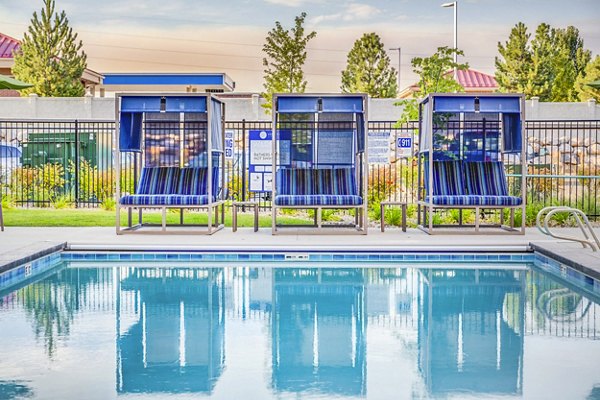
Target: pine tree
{"type": "Point", "coordinates": [286, 55]}
{"type": "Point", "coordinates": [546, 67]}
{"type": "Point", "coordinates": [590, 74]}
{"type": "Point", "coordinates": [512, 72]}
{"type": "Point", "coordinates": [51, 58]}
{"type": "Point", "coordinates": [542, 72]}
{"type": "Point", "coordinates": [569, 62]}
{"type": "Point", "coordinates": [368, 69]}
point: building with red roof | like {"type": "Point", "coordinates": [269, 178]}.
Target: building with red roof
{"type": "Point", "coordinates": [10, 45]}
{"type": "Point", "coordinates": [473, 82]}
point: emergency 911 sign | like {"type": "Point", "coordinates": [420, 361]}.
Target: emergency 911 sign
{"type": "Point", "coordinates": [404, 145]}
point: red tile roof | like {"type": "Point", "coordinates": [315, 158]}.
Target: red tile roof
{"type": "Point", "coordinates": [471, 79]}
{"type": "Point", "coordinates": [8, 45]}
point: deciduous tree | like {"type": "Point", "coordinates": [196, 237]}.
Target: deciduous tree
{"type": "Point", "coordinates": [590, 74]}
{"type": "Point", "coordinates": [435, 76]}
{"type": "Point", "coordinates": [286, 55]}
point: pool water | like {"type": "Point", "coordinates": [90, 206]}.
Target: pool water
{"type": "Point", "coordinates": [98, 330]}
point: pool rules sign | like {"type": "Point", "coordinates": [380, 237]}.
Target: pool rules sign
{"type": "Point", "coordinates": [261, 159]}
{"type": "Point", "coordinates": [381, 145]}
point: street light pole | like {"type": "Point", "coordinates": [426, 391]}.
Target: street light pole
{"type": "Point", "coordinates": [399, 63]}
{"type": "Point", "coordinates": [454, 5]}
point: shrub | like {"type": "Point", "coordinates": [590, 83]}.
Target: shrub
{"type": "Point", "coordinates": [63, 201]}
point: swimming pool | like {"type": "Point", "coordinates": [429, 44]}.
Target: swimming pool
{"type": "Point", "coordinates": [174, 327]}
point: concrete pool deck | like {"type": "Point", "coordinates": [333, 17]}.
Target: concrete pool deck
{"type": "Point", "coordinates": [19, 245]}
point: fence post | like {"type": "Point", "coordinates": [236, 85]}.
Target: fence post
{"type": "Point", "coordinates": [76, 164]}
{"type": "Point", "coordinates": [243, 160]}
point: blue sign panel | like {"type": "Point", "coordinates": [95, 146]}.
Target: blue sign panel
{"type": "Point", "coordinates": [229, 144]}
{"type": "Point", "coordinates": [261, 161]}
{"type": "Point", "coordinates": [405, 143]}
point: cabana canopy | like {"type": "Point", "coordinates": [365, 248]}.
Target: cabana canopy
{"type": "Point", "coordinates": [133, 109]}
{"type": "Point", "coordinates": [175, 144]}
{"type": "Point", "coordinates": [462, 142]}
{"type": "Point", "coordinates": [441, 112]}
{"type": "Point", "coordinates": [320, 155]}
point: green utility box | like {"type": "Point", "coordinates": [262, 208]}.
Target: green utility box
{"type": "Point", "coordinates": [58, 148]}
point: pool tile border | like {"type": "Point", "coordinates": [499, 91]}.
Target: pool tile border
{"type": "Point", "coordinates": [566, 272]}
{"type": "Point", "coordinates": [29, 270]}
{"type": "Point", "coordinates": [332, 256]}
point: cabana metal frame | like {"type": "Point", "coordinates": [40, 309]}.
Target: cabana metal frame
{"type": "Point", "coordinates": [444, 121]}
{"type": "Point", "coordinates": [170, 178]}
{"type": "Point", "coordinates": [306, 176]}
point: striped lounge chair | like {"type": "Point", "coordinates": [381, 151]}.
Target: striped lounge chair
{"type": "Point", "coordinates": [173, 187]}
{"type": "Point", "coordinates": [316, 189]}
{"type": "Point", "coordinates": [477, 185]}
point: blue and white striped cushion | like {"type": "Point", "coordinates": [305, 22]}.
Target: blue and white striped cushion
{"type": "Point", "coordinates": [344, 182]}
{"type": "Point", "coordinates": [164, 200]}
{"type": "Point", "coordinates": [192, 181]}
{"type": "Point", "coordinates": [486, 178]}
{"type": "Point", "coordinates": [475, 200]}
{"type": "Point", "coordinates": [447, 178]}
{"type": "Point", "coordinates": [158, 180]}
{"type": "Point", "coordinates": [295, 181]}
{"type": "Point", "coordinates": [318, 200]}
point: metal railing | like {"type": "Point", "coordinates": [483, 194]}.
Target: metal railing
{"type": "Point", "coordinates": [44, 163]}
{"type": "Point", "coordinates": [591, 240]}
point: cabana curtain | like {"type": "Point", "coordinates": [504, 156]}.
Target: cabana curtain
{"type": "Point", "coordinates": [216, 126]}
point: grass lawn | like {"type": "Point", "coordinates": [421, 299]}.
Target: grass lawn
{"type": "Point", "coordinates": [99, 217]}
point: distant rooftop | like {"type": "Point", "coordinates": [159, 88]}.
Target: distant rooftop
{"type": "Point", "coordinates": [473, 82]}
{"type": "Point", "coordinates": [175, 82]}
{"type": "Point", "coordinates": [471, 79]}
{"type": "Point", "coordinates": [8, 45]}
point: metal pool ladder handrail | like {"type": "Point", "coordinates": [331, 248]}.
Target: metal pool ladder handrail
{"type": "Point", "coordinates": [582, 221]}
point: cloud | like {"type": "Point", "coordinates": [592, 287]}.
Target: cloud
{"type": "Point", "coordinates": [352, 12]}
{"type": "Point", "coordinates": [356, 11]}
{"type": "Point", "coordinates": [289, 3]}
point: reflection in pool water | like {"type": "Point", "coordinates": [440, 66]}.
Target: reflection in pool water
{"type": "Point", "coordinates": [250, 332]}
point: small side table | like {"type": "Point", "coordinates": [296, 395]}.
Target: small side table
{"type": "Point", "coordinates": [393, 203]}
{"type": "Point", "coordinates": [235, 206]}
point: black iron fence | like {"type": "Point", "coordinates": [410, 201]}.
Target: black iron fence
{"type": "Point", "coordinates": [63, 163]}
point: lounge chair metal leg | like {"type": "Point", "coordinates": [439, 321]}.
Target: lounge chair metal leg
{"type": "Point", "coordinates": [1, 217]}
{"type": "Point", "coordinates": [181, 216]}
{"type": "Point", "coordinates": [319, 213]}
{"type": "Point", "coordinates": [430, 215]}
{"type": "Point", "coordinates": [512, 217]}
{"type": "Point", "coordinates": [164, 219]}
{"type": "Point", "coordinates": [129, 217]}
{"type": "Point", "coordinates": [476, 219]}
{"type": "Point", "coordinates": [140, 215]}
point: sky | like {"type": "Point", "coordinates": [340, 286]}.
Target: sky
{"type": "Point", "coordinates": [227, 36]}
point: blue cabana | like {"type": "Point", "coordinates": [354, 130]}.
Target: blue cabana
{"type": "Point", "coordinates": [171, 155]}
{"type": "Point", "coordinates": [320, 156]}
{"type": "Point", "coordinates": [463, 140]}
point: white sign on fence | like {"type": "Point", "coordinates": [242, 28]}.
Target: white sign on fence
{"type": "Point", "coordinates": [379, 147]}
{"type": "Point", "coordinates": [229, 144]}
{"type": "Point", "coordinates": [404, 145]}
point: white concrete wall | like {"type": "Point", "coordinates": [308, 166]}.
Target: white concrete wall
{"type": "Point", "coordinates": [102, 108]}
